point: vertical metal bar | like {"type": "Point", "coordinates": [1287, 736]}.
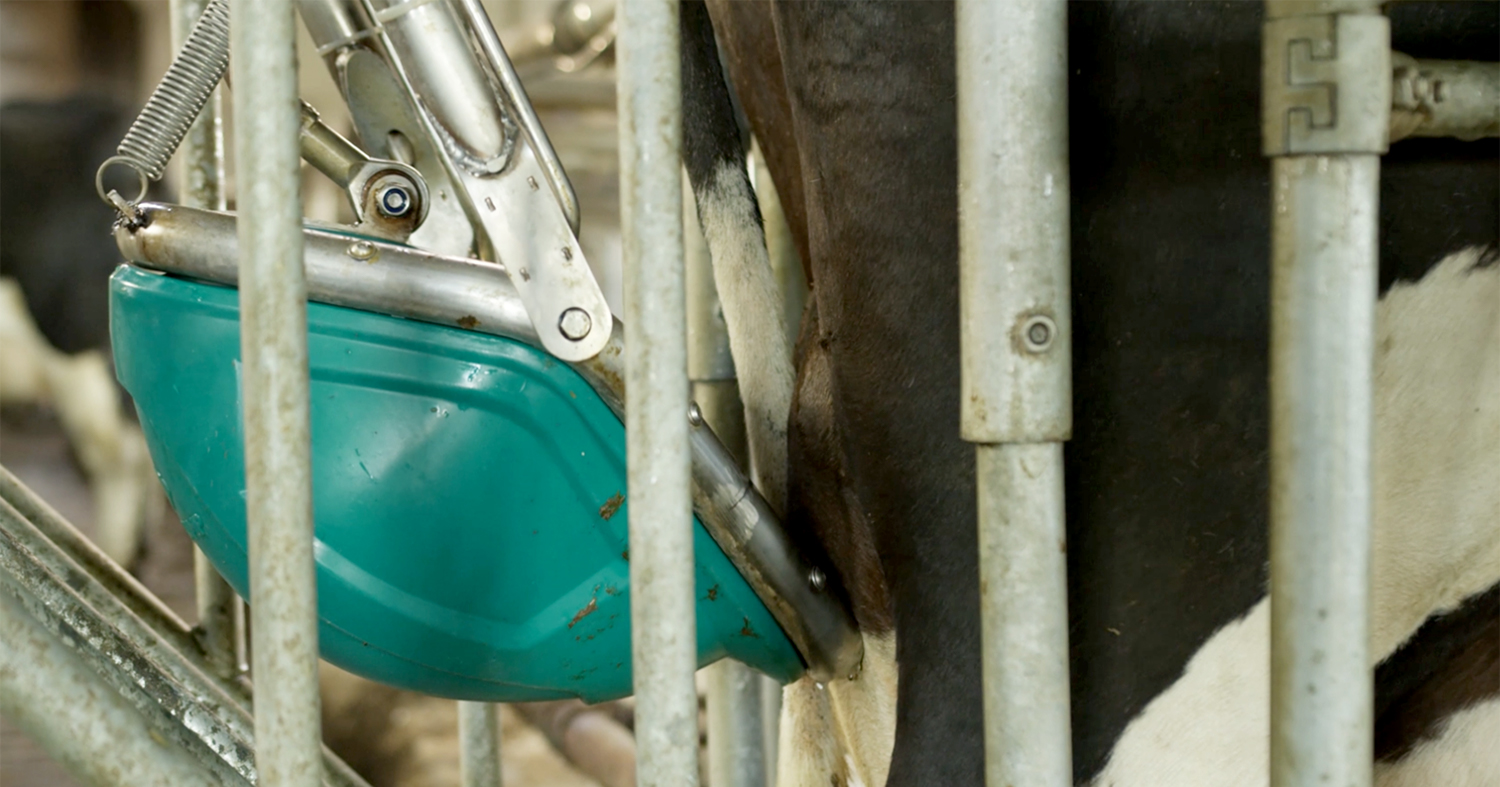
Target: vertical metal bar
{"type": "Point", "coordinates": [1017, 387]}
{"type": "Point", "coordinates": [201, 183]}
{"type": "Point", "coordinates": [479, 744]}
{"type": "Point", "coordinates": [736, 724]}
{"type": "Point", "coordinates": [1326, 114]}
{"type": "Point", "coordinates": [273, 351]}
{"type": "Point", "coordinates": [664, 630]}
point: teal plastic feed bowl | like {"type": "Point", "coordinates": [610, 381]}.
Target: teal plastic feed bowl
{"type": "Point", "coordinates": [468, 497]}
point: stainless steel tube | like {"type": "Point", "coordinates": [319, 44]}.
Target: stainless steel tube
{"type": "Point", "coordinates": [273, 351]}
{"type": "Point", "coordinates": [1016, 385]}
{"type": "Point", "coordinates": [663, 624]}
{"type": "Point", "coordinates": [1326, 105]}
{"type": "Point", "coordinates": [202, 179]}
{"type": "Point", "coordinates": [479, 744]}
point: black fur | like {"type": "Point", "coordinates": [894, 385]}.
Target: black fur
{"type": "Point", "coordinates": [1450, 663]}
{"type": "Point", "coordinates": [1167, 474]}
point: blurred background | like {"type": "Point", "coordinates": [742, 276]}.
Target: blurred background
{"type": "Point", "coordinates": [73, 74]}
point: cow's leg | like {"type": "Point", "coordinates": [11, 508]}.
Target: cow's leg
{"type": "Point", "coordinates": [81, 390]}
{"type": "Point", "coordinates": [746, 284]}
{"type": "Point", "coordinates": [871, 90]}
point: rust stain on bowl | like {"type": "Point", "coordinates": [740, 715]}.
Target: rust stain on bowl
{"type": "Point", "coordinates": [611, 506]}
{"type": "Point", "coordinates": [589, 610]}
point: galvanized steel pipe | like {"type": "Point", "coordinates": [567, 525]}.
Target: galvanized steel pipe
{"type": "Point", "coordinates": [1326, 110]}
{"type": "Point", "coordinates": [274, 380]}
{"type": "Point", "coordinates": [663, 624]}
{"type": "Point", "coordinates": [201, 184]}
{"type": "Point", "coordinates": [1016, 386]}
{"type": "Point", "coordinates": [479, 744]}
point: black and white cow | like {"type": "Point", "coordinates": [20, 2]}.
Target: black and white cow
{"type": "Point", "coordinates": [1167, 472]}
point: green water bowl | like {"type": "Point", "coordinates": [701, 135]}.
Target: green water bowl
{"type": "Point", "coordinates": [468, 496]}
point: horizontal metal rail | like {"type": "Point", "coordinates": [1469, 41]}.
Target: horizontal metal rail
{"type": "Point", "coordinates": [1444, 98]}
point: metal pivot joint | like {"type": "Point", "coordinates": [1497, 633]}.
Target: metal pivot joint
{"type": "Point", "coordinates": [469, 102]}
{"type": "Point", "coordinates": [1326, 103]}
{"type": "Point", "coordinates": [389, 198]}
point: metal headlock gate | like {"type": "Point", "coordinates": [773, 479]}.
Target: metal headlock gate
{"type": "Point", "coordinates": [1327, 110]}
{"type": "Point", "coordinates": [1327, 117]}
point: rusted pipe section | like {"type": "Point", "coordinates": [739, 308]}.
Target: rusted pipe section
{"type": "Point", "coordinates": [274, 379]}
{"type": "Point", "coordinates": [54, 695]}
{"type": "Point", "coordinates": [133, 643]}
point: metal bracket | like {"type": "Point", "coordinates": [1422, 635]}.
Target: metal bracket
{"type": "Point", "coordinates": [1327, 85]}
{"type": "Point", "coordinates": [449, 61]}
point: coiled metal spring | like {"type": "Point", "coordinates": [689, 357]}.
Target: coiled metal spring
{"type": "Point", "coordinates": [176, 102]}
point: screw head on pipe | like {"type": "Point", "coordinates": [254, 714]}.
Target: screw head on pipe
{"type": "Point", "coordinates": [1038, 333]}
{"type": "Point", "coordinates": [695, 415]}
{"type": "Point", "coordinates": [575, 323]}
{"type": "Point", "coordinates": [817, 580]}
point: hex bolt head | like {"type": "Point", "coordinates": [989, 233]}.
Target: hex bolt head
{"type": "Point", "coordinates": [817, 580]}
{"type": "Point", "coordinates": [575, 323]}
{"type": "Point", "coordinates": [1038, 333]}
{"type": "Point", "coordinates": [394, 201]}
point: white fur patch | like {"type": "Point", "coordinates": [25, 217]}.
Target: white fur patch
{"type": "Point", "coordinates": [752, 305]}
{"type": "Point", "coordinates": [1465, 754]}
{"type": "Point", "coordinates": [843, 734]}
{"type": "Point", "coordinates": [864, 711]}
{"type": "Point", "coordinates": [1436, 541]}
{"type": "Point", "coordinates": [809, 751]}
